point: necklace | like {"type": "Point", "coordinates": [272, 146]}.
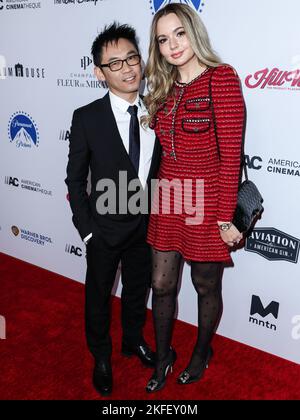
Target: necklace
{"type": "Point", "coordinates": [182, 86]}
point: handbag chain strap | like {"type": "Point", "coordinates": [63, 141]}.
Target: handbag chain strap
{"type": "Point", "coordinates": [243, 163]}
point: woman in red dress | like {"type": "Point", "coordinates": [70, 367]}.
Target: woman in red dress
{"type": "Point", "coordinates": [192, 96]}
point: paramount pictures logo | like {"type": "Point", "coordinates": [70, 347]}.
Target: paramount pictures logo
{"type": "Point", "coordinates": [273, 244]}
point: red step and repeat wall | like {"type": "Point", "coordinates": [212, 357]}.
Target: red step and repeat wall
{"type": "Point", "coordinates": [46, 72]}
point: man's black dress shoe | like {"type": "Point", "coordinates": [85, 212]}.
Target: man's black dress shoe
{"type": "Point", "coordinates": [102, 377]}
{"type": "Point", "coordinates": [141, 350]}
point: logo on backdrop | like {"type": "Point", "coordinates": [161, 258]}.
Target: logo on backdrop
{"type": "Point", "coordinates": [253, 162]}
{"type": "Point", "coordinates": [22, 130]}
{"type": "Point", "coordinates": [257, 308]}
{"type": "Point", "coordinates": [64, 135]}
{"type": "Point", "coordinates": [76, 1]}
{"type": "Point", "coordinates": [274, 165]}
{"type": "Point", "coordinates": [20, 4]}
{"type": "Point", "coordinates": [27, 184]}
{"type": "Point", "coordinates": [18, 70]}
{"type": "Point", "coordinates": [81, 78]}
{"type": "Point", "coordinates": [36, 238]}
{"type": "Point", "coordinates": [159, 4]}
{"type": "Point", "coordinates": [10, 180]}
{"type": "Point", "coordinates": [15, 230]}
{"type": "Point", "coordinates": [85, 62]}
{"type": "Point", "coordinates": [284, 167]}
{"type": "Point", "coordinates": [274, 79]}
{"type": "Point", "coordinates": [74, 250]}
{"type": "Point", "coordinates": [273, 244]}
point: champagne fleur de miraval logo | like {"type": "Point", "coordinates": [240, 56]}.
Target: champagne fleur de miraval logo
{"type": "Point", "coordinates": [159, 4]}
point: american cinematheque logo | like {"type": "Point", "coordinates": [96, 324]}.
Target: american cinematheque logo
{"type": "Point", "coordinates": [159, 4]}
{"type": "Point", "coordinates": [26, 184]}
{"type": "Point", "coordinates": [274, 79]}
{"type": "Point", "coordinates": [274, 165]}
{"type": "Point", "coordinates": [19, 4]}
{"type": "Point", "coordinates": [273, 244]}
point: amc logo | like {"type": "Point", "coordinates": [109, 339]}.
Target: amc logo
{"type": "Point", "coordinates": [258, 308]}
{"type": "Point", "coordinates": [253, 162]}
{"type": "Point", "coordinates": [71, 249]}
{"type": "Point", "coordinates": [10, 180]}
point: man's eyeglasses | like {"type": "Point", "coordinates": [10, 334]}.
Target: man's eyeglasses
{"type": "Point", "coordinates": [132, 60]}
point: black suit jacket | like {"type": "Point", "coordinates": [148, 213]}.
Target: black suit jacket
{"type": "Point", "coordinates": [95, 144]}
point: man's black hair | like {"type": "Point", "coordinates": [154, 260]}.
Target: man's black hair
{"type": "Point", "coordinates": [112, 34]}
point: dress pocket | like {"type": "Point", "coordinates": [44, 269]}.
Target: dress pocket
{"type": "Point", "coordinates": [195, 125]}
{"type": "Point", "coordinates": [197, 104]}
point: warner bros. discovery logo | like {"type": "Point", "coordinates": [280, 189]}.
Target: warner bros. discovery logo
{"type": "Point", "coordinates": [257, 308]}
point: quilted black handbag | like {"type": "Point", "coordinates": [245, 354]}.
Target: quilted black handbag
{"type": "Point", "coordinates": [249, 202]}
{"type": "Point", "coordinates": [249, 206]}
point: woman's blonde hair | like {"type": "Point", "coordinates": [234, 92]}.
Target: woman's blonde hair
{"type": "Point", "coordinates": [160, 74]}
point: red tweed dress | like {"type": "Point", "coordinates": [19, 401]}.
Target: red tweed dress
{"type": "Point", "coordinates": [190, 152]}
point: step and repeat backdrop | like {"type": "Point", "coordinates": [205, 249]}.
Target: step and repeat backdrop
{"type": "Point", "coordinates": [46, 72]}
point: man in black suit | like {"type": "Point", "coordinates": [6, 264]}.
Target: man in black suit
{"type": "Point", "coordinates": [107, 139]}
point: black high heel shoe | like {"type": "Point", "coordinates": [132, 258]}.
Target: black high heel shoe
{"type": "Point", "coordinates": [186, 378]}
{"type": "Point", "coordinates": [155, 384]}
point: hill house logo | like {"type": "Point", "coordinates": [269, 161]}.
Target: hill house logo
{"type": "Point", "coordinates": [159, 4]}
{"type": "Point", "coordinates": [274, 79]}
{"type": "Point", "coordinates": [22, 130]}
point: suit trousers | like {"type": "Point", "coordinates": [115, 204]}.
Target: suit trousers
{"type": "Point", "coordinates": [102, 265]}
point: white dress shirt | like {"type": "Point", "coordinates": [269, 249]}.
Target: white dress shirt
{"type": "Point", "coordinates": [147, 136]}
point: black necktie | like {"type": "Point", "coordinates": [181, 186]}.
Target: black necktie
{"type": "Point", "coordinates": [134, 137]}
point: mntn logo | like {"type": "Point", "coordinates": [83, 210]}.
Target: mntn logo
{"type": "Point", "coordinates": [159, 4]}
{"type": "Point", "coordinates": [258, 308]}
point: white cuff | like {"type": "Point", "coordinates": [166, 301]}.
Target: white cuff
{"type": "Point", "coordinates": [87, 238]}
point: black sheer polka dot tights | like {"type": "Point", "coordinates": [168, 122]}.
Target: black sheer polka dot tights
{"type": "Point", "coordinates": [206, 279]}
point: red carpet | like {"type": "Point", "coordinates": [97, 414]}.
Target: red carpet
{"type": "Point", "coordinates": [44, 355]}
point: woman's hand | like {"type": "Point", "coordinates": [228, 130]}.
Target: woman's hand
{"type": "Point", "coordinates": [230, 236]}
